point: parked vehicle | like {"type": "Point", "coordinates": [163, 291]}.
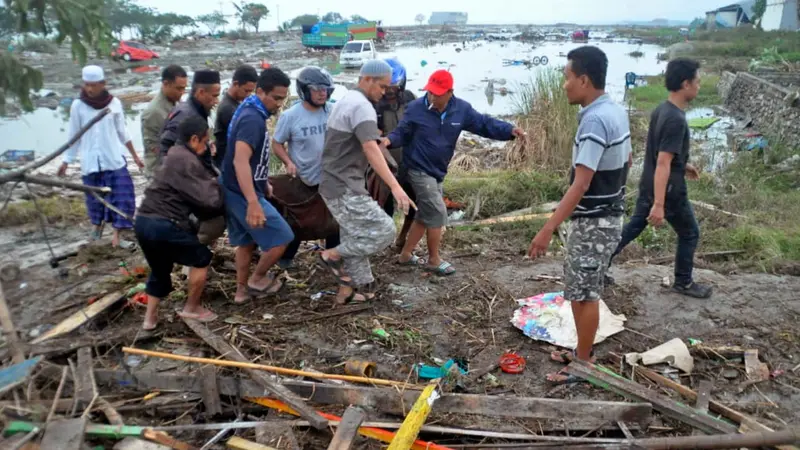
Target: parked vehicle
{"type": "Point", "coordinates": [133, 51]}
{"type": "Point", "coordinates": [356, 53]}
{"type": "Point", "coordinates": [336, 35]}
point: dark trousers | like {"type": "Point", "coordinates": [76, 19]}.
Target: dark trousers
{"type": "Point", "coordinates": [679, 214]}
{"type": "Point", "coordinates": [291, 251]}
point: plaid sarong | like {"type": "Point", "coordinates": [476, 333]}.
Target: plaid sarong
{"type": "Point", "coordinates": [122, 196]}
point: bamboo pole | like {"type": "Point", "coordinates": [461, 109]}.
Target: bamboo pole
{"type": "Point", "coordinates": [415, 419]}
{"type": "Point", "coordinates": [279, 370]}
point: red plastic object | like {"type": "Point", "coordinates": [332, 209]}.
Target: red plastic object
{"type": "Point", "coordinates": [512, 363]}
{"type": "Point", "coordinates": [140, 298]}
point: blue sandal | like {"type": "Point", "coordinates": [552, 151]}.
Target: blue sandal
{"type": "Point", "coordinates": [443, 269]}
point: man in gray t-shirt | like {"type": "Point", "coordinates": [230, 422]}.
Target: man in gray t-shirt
{"type": "Point", "coordinates": [351, 144]}
{"type": "Point", "coordinates": [302, 129]}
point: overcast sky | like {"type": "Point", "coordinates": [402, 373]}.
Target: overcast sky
{"type": "Point", "coordinates": [402, 12]}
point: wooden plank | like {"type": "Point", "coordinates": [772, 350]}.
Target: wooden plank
{"type": "Point", "coordinates": [210, 391]}
{"type": "Point", "coordinates": [587, 414]}
{"type": "Point", "coordinates": [606, 379]}
{"type": "Point", "coordinates": [162, 438]}
{"type": "Point", "coordinates": [703, 395]}
{"type": "Point", "coordinates": [746, 422]}
{"type": "Point", "coordinates": [284, 394]}
{"type": "Point", "coordinates": [85, 388]}
{"type": "Point", "coordinates": [348, 428]}
{"type": "Point", "coordinates": [10, 332]}
{"type": "Point", "coordinates": [238, 443]}
{"type": "Point", "coordinates": [16, 374]}
{"type": "Point", "coordinates": [81, 317]}
{"type": "Point", "coordinates": [65, 434]}
{"type": "Point", "coordinates": [415, 419]}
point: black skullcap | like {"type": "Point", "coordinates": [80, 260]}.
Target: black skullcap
{"type": "Point", "coordinates": [206, 77]}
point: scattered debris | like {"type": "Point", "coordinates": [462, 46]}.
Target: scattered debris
{"type": "Point", "coordinates": [674, 352]}
{"type": "Point", "coordinates": [548, 317]}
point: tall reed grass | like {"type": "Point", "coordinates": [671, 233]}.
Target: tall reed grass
{"type": "Point", "coordinates": [550, 121]}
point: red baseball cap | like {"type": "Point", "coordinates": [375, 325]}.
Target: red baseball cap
{"type": "Point", "coordinates": [439, 83]}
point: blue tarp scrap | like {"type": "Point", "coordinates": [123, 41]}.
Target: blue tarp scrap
{"type": "Point", "coordinates": [17, 372]}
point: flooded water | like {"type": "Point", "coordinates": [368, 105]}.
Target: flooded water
{"type": "Point", "coordinates": [473, 66]}
{"type": "Point", "coordinates": [712, 142]}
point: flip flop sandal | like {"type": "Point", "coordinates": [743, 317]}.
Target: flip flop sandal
{"type": "Point", "coordinates": [564, 378]}
{"type": "Point", "coordinates": [126, 245]}
{"type": "Point", "coordinates": [351, 299]}
{"type": "Point", "coordinates": [566, 356]}
{"type": "Point", "coordinates": [269, 289]}
{"type": "Point", "coordinates": [243, 300]}
{"type": "Point", "coordinates": [369, 291]}
{"type": "Point", "coordinates": [444, 269]}
{"type": "Point", "coordinates": [145, 333]}
{"type": "Point", "coordinates": [204, 318]}
{"type": "Point", "coordinates": [336, 268]}
{"type": "Point", "coordinates": [414, 261]}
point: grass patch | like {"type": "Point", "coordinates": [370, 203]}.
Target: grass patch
{"type": "Point", "coordinates": [770, 202]}
{"type": "Point", "coordinates": [550, 121]}
{"type": "Point", "coordinates": [55, 209]}
{"type": "Point", "coordinates": [499, 192]}
{"type": "Point", "coordinates": [647, 98]}
{"type": "Point", "coordinates": [748, 42]}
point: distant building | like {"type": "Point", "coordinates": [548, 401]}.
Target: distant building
{"type": "Point", "coordinates": [448, 18]}
{"type": "Point", "coordinates": [780, 15]}
{"type": "Point", "coordinates": [731, 16]}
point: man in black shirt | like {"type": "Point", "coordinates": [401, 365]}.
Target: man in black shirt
{"type": "Point", "coordinates": [662, 190]}
{"type": "Point", "coordinates": [242, 85]}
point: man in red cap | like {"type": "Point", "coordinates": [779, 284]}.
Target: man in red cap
{"type": "Point", "coordinates": [428, 134]}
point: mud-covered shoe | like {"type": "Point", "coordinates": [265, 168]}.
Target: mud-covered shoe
{"type": "Point", "coordinates": [693, 289]}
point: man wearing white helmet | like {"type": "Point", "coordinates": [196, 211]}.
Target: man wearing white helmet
{"type": "Point", "coordinates": [299, 139]}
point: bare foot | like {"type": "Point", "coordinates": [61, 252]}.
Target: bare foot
{"type": "Point", "coordinates": [242, 294]}
{"type": "Point", "coordinates": [200, 314]}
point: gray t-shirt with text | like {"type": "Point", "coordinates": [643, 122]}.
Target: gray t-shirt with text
{"type": "Point", "coordinates": [303, 131]}
{"type": "Point", "coordinates": [352, 122]}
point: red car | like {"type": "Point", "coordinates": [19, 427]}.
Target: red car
{"type": "Point", "coordinates": [133, 51]}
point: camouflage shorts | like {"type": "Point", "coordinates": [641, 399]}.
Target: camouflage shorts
{"type": "Point", "coordinates": [590, 243]}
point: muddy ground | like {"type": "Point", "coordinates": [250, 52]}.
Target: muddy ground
{"type": "Point", "coordinates": [428, 318]}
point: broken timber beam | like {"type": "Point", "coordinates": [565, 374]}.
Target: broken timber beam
{"type": "Point", "coordinates": [85, 389]}
{"type": "Point", "coordinates": [279, 391]}
{"type": "Point", "coordinates": [65, 434]}
{"type": "Point", "coordinates": [14, 343]}
{"type": "Point", "coordinates": [81, 317]}
{"type": "Point", "coordinates": [210, 391]}
{"type": "Point", "coordinates": [585, 413]}
{"type": "Point", "coordinates": [606, 379]}
{"type": "Point", "coordinates": [746, 422]}
{"type": "Point", "coordinates": [348, 428]}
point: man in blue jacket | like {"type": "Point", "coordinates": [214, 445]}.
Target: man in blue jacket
{"type": "Point", "coordinates": [428, 133]}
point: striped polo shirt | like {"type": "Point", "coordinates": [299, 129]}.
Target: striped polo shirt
{"type": "Point", "coordinates": [603, 144]}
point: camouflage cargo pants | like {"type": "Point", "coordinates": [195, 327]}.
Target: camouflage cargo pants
{"type": "Point", "coordinates": [151, 162]}
{"type": "Point", "coordinates": [590, 243]}
{"type": "Point", "coordinates": [364, 229]}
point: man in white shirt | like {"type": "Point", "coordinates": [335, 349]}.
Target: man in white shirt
{"type": "Point", "coordinates": [101, 155]}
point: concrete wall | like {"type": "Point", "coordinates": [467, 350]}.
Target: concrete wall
{"type": "Point", "coordinates": [748, 96]}
{"type": "Point", "coordinates": [789, 80]}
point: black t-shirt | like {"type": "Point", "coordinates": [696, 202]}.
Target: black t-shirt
{"type": "Point", "coordinates": [225, 112]}
{"type": "Point", "coordinates": [668, 132]}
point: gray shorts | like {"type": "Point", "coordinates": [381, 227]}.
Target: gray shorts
{"type": "Point", "coordinates": [431, 210]}
{"type": "Point", "coordinates": [590, 243]}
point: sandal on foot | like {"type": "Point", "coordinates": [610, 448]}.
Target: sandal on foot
{"type": "Point", "coordinates": [243, 300]}
{"type": "Point", "coordinates": [567, 356]}
{"type": "Point", "coordinates": [443, 269]}
{"type": "Point", "coordinates": [126, 245]}
{"type": "Point", "coordinates": [562, 377]}
{"type": "Point", "coordinates": [352, 299]}
{"type": "Point", "coordinates": [275, 285]}
{"type": "Point", "coordinates": [207, 316]}
{"type": "Point", "coordinates": [414, 261]}
{"type": "Point", "coordinates": [145, 333]}
{"type": "Point", "coordinates": [336, 268]}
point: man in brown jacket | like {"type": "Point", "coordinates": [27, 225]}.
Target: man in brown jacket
{"type": "Point", "coordinates": [167, 235]}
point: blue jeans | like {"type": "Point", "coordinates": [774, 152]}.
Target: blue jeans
{"type": "Point", "coordinates": [679, 214]}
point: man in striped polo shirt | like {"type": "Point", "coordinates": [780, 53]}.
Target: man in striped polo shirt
{"type": "Point", "coordinates": [595, 200]}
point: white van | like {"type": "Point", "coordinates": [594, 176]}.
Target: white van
{"type": "Point", "coordinates": [356, 53]}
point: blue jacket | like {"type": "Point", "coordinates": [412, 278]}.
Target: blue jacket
{"type": "Point", "coordinates": [429, 138]}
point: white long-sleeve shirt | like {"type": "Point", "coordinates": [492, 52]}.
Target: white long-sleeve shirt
{"type": "Point", "coordinates": [102, 147]}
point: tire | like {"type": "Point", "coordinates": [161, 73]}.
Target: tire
{"type": "Point", "coordinates": [537, 60]}
{"type": "Point", "coordinates": [545, 60]}
{"type": "Point", "coordinates": [126, 56]}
